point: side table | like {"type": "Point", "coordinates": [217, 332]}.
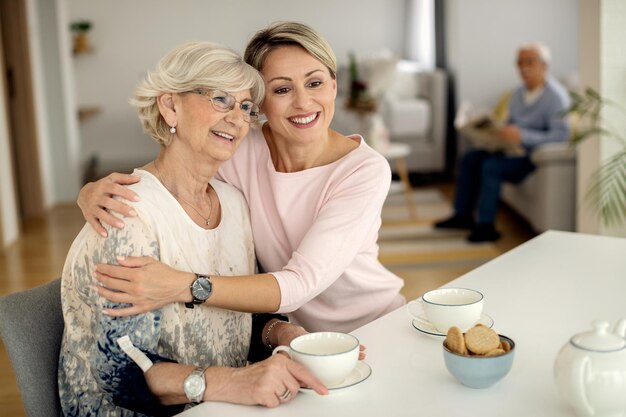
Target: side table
{"type": "Point", "coordinates": [397, 152]}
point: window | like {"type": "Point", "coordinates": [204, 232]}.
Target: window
{"type": "Point", "coordinates": [420, 32]}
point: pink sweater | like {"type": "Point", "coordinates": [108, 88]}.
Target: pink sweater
{"type": "Point", "coordinates": [316, 232]}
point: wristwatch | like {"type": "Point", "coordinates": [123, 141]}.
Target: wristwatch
{"type": "Point", "coordinates": [201, 290]}
{"type": "Point", "coordinates": [195, 385]}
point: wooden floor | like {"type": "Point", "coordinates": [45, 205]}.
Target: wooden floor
{"type": "Point", "coordinates": [36, 258]}
{"type": "Point", "coordinates": [515, 231]}
{"type": "Point", "coordinates": [39, 255]}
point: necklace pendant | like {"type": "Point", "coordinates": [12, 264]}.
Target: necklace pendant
{"type": "Point", "coordinates": [208, 221]}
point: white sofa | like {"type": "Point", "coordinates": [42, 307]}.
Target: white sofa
{"type": "Point", "coordinates": [547, 197]}
{"type": "Point", "coordinates": [412, 104]}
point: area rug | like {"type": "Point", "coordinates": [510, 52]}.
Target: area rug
{"type": "Point", "coordinates": [413, 243]}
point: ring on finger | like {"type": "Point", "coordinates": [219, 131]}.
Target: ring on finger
{"type": "Point", "coordinates": [285, 395]}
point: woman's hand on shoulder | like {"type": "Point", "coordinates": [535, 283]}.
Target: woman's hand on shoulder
{"type": "Point", "coordinates": [143, 282]}
{"type": "Point", "coordinates": [95, 200]}
{"type": "Point", "coordinates": [270, 383]}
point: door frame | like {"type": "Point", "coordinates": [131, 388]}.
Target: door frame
{"type": "Point", "coordinates": [20, 106]}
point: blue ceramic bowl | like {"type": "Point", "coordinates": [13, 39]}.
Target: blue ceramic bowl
{"type": "Point", "coordinates": [479, 371]}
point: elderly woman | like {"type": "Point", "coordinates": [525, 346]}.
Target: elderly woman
{"type": "Point", "coordinates": [315, 198]}
{"type": "Point", "coordinates": [198, 105]}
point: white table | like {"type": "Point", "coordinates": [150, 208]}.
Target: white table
{"type": "Point", "coordinates": [539, 294]}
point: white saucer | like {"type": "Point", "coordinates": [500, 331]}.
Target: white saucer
{"type": "Point", "coordinates": [430, 330]}
{"type": "Point", "coordinates": [360, 373]}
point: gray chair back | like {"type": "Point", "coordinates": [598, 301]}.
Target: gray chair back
{"type": "Point", "coordinates": [31, 326]}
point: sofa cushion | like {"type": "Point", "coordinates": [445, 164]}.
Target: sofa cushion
{"type": "Point", "coordinates": [554, 152]}
{"type": "Point", "coordinates": [406, 83]}
{"type": "Point", "coordinates": [377, 70]}
{"type": "Point", "coordinates": [407, 116]}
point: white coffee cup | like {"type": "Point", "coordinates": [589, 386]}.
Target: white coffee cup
{"type": "Point", "coordinates": [447, 307]}
{"type": "Point", "coordinates": [330, 356]}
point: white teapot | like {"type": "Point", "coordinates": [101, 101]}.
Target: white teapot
{"type": "Point", "coordinates": [590, 371]}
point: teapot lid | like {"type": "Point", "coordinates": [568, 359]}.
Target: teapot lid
{"type": "Point", "coordinates": [600, 339]}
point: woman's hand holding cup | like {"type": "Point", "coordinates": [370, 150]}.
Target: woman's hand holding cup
{"type": "Point", "coordinates": [330, 356]}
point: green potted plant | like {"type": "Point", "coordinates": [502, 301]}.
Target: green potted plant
{"type": "Point", "coordinates": [360, 98]}
{"type": "Point", "coordinates": [607, 191]}
{"type": "Point", "coordinates": [80, 28]}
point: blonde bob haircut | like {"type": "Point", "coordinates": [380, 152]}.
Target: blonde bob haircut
{"type": "Point", "coordinates": [186, 68]}
{"type": "Point", "coordinates": [290, 33]}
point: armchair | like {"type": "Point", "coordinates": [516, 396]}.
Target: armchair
{"type": "Point", "coordinates": [415, 112]}
{"type": "Point", "coordinates": [31, 329]}
{"type": "Point", "coordinates": [412, 104]}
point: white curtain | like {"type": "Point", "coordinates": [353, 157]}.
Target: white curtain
{"type": "Point", "coordinates": [420, 32]}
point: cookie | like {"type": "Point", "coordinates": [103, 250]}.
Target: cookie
{"type": "Point", "coordinates": [505, 345]}
{"type": "Point", "coordinates": [495, 352]}
{"type": "Point", "coordinates": [481, 339]}
{"type": "Point", "coordinates": [455, 341]}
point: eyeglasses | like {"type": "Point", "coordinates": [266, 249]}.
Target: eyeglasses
{"type": "Point", "coordinates": [526, 61]}
{"type": "Point", "coordinates": [224, 102]}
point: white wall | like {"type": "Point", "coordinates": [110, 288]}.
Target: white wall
{"type": "Point", "coordinates": [614, 84]}
{"type": "Point", "coordinates": [58, 133]}
{"type": "Point", "coordinates": [130, 36]}
{"type": "Point", "coordinates": [603, 66]}
{"type": "Point", "coordinates": [484, 35]}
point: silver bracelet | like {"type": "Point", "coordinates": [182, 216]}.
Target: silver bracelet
{"type": "Point", "coordinates": [269, 329]}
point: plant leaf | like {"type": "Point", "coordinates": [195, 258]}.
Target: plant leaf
{"type": "Point", "coordinates": [607, 192]}
{"type": "Point", "coordinates": [589, 91]}
{"type": "Point", "coordinates": [584, 134]}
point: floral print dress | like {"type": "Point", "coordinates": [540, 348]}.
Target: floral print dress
{"type": "Point", "coordinates": [96, 378]}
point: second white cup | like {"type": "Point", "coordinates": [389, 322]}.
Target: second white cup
{"type": "Point", "coordinates": [447, 307]}
{"type": "Point", "coordinates": [330, 356]}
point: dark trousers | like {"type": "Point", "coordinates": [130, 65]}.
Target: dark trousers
{"type": "Point", "coordinates": [480, 177]}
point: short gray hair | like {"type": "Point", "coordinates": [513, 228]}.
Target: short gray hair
{"type": "Point", "coordinates": [290, 33]}
{"type": "Point", "coordinates": [187, 67]}
{"type": "Point", "coordinates": [542, 50]}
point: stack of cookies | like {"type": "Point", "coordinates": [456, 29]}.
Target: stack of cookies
{"type": "Point", "coordinates": [480, 357]}
{"type": "Point", "coordinates": [480, 340]}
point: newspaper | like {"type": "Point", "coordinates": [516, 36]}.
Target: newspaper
{"type": "Point", "coordinates": [482, 133]}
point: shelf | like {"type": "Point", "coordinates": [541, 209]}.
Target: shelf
{"type": "Point", "coordinates": [87, 112]}
{"type": "Point", "coordinates": [88, 51]}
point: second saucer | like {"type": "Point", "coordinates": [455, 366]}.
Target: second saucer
{"type": "Point", "coordinates": [426, 328]}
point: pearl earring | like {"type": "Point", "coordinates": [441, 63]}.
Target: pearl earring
{"type": "Point", "coordinates": [172, 130]}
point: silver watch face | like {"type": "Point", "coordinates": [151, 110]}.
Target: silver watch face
{"type": "Point", "coordinates": [201, 288]}
{"type": "Point", "coordinates": [194, 386]}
